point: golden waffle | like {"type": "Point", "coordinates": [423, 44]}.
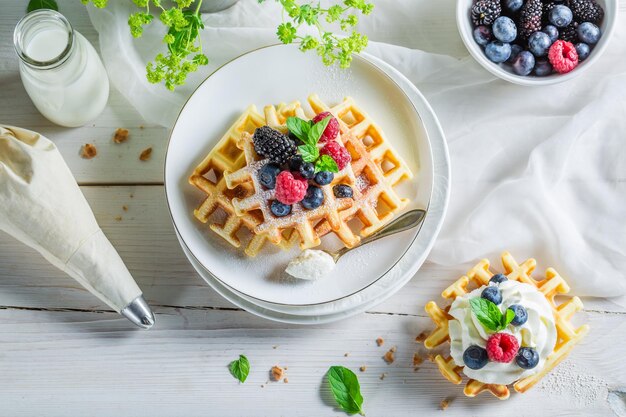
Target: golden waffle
{"type": "Point", "coordinates": [375, 170]}
{"type": "Point", "coordinates": [479, 275]}
{"type": "Point", "coordinates": [208, 176]}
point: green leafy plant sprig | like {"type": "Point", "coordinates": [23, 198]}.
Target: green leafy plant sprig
{"type": "Point", "coordinates": [184, 46]}
{"type": "Point", "coordinates": [240, 368]}
{"type": "Point", "coordinates": [184, 22]}
{"type": "Point", "coordinates": [329, 46]}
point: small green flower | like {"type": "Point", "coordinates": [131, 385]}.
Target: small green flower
{"type": "Point", "coordinates": [286, 32]}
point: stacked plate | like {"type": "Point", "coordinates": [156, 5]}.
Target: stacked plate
{"type": "Point", "coordinates": [365, 276]}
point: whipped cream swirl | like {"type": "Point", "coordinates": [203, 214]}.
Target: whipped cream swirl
{"type": "Point", "coordinates": [538, 332]}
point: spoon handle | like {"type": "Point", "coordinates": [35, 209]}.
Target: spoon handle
{"type": "Point", "coordinates": [407, 221]}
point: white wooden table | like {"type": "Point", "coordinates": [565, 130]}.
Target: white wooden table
{"type": "Point", "coordinates": [62, 353]}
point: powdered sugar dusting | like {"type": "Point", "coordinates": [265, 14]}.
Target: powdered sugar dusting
{"type": "Point", "coordinates": [567, 379]}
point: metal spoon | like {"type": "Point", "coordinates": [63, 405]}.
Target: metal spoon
{"type": "Point", "coordinates": [407, 221]}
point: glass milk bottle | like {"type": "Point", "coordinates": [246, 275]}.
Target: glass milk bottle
{"type": "Point", "coordinates": [61, 71]}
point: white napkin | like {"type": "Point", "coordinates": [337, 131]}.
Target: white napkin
{"type": "Point", "coordinates": [539, 171]}
{"type": "Point", "coordinates": [42, 206]}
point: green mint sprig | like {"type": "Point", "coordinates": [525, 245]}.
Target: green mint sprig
{"type": "Point", "coordinates": [490, 315]}
{"type": "Point", "coordinates": [345, 387]}
{"type": "Point", "coordinates": [42, 4]}
{"type": "Point", "coordinates": [310, 133]}
{"type": "Point", "coordinates": [329, 46]}
{"type": "Point", "coordinates": [240, 368]}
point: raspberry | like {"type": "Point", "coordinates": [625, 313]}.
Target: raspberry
{"type": "Point", "coordinates": [338, 153]}
{"type": "Point", "coordinates": [502, 347]}
{"type": "Point", "coordinates": [563, 56]}
{"type": "Point", "coordinates": [332, 129]}
{"type": "Point", "coordinates": [289, 188]}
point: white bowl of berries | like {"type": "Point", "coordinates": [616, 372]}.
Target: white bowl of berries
{"type": "Point", "coordinates": [536, 42]}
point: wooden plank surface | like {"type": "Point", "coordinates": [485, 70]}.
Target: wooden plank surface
{"type": "Point", "coordinates": [65, 354]}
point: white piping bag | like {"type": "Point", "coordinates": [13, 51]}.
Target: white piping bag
{"type": "Point", "coordinates": [42, 206]}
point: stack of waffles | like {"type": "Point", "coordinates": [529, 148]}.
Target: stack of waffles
{"type": "Point", "coordinates": [237, 207]}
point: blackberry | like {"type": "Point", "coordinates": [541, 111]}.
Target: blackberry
{"type": "Point", "coordinates": [569, 33]}
{"type": "Point", "coordinates": [530, 18]}
{"type": "Point", "coordinates": [587, 11]}
{"type": "Point", "coordinates": [485, 12]}
{"type": "Point", "coordinates": [273, 145]}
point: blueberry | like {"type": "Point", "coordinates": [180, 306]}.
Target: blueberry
{"type": "Point", "coordinates": [492, 294]}
{"type": "Point", "coordinates": [539, 43]}
{"type": "Point", "coordinates": [543, 67]}
{"type": "Point", "coordinates": [482, 35]}
{"type": "Point", "coordinates": [513, 5]}
{"type": "Point", "coordinates": [561, 16]}
{"type": "Point", "coordinates": [497, 51]}
{"type": "Point", "coordinates": [583, 51]}
{"type": "Point", "coordinates": [521, 315]}
{"type": "Point", "coordinates": [279, 209]}
{"type": "Point", "coordinates": [324, 177]}
{"type": "Point", "coordinates": [552, 32]}
{"type": "Point", "coordinates": [504, 29]}
{"type": "Point", "coordinates": [498, 278]}
{"type": "Point", "coordinates": [475, 357]}
{"type": "Point", "coordinates": [524, 63]}
{"type": "Point", "coordinates": [588, 33]}
{"type": "Point", "coordinates": [342, 191]}
{"type": "Point", "coordinates": [515, 50]}
{"type": "Point", "coordinates": [313, 199]}
{"type": "Point", "coordinates": [307, 170]}
{"type": "Point", "coordinates": [295, 162]}
{"type": "Point", "coordinates": [267, 175]}
{"type": "Point", "coordinates": [527, 358]}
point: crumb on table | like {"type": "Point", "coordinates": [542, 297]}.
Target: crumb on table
{"type": "Point", "coordinates": [363, 368]}
{"type": "Point", "coordinates": [276, 373]}
{"type": "Point", "coordinates": [421, 337]}
{"type": "Point", "coordinates": [145, 154]}
{"type": "Point", "coordinates": [417, 359]}
{"type": "Point", "coordinates": [445, 403]}
{"type": "Point", "coordinates": [346, 354]}
{"type": "Point", "coordinates": [125, 207]}
{"type": "Point", "coordinates": [88, 151]}
{"type": "Point", "coordinates": [390, 356]}
{"type": "Point", "coordinates": [380, 341]}
{"type": "Point", "coordinates": [120, 136]}
{"type": "Point", "coordinates": [286, 381]}
{"type": "Point", "coordinates": [383, 375]}
{"type": "Point", "coordinates": [118, 218]}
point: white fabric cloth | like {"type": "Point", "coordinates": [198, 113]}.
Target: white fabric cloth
{"type": "Point", "coordinates": [540, 171]}
{"type": "Point", "coordinates": [42, 206]}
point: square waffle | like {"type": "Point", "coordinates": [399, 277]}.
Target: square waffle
{"type": "Point", "coordinates": [552, 285]}
{"type": "Point", "coordinates": [373, 173]}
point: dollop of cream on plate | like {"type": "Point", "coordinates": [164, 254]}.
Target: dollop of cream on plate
{"type": "Point", "coordinates": [311, 264]}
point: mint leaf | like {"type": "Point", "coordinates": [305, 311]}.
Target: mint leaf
{"type": "Point", "coordinates": [326, 163]}
{"type": "Point", "coordinates": [487, 313]}
{"type": "Point", "coordinates": [345, 387]}
{"type": "Point", "coordinates": [507, 318]}
{"type": "Point", "coordinates": [316, 131]}
{"type": "Point", "coordinates": [41, 4]}
{"type": "Point", "coordinates": [299, 128]}
{"type": "Point", "coordinates": [309, 152]}
{"type": "Point", "coordinates": [240, 368]}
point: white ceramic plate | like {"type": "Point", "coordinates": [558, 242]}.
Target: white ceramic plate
{"type": "Point", "coordinates": [388, 285]}
{"type": "Point", "coordinates": [256, 78]}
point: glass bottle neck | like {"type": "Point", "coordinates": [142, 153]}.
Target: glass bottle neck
{"type": "Point", "coordinates": [44, 39]}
